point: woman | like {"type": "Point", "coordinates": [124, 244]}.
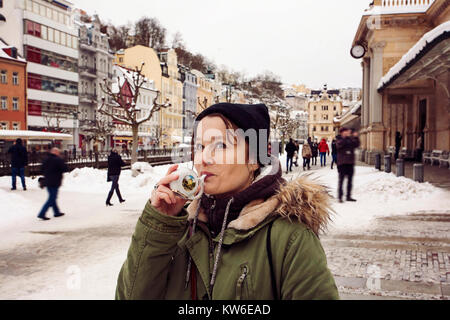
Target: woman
{"type": "Point", "coordinates": [333, 153]}
{"type": "Point", "coordinates": [315, 152]}
{"type": "Point", "coordinates": [306, 154]}
{"type": "Point", "coordinates": [115, 164]}
{"type": "Point", "coordinates": [323, 149]}
{"type": "Point", "coordinates": [249, 225]}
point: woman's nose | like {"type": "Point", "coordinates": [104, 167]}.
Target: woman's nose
{"type": "Point", "coordinates": [207, 157]}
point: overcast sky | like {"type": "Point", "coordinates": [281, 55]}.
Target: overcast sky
{"type": "Point", "coordinates": [302, 41]}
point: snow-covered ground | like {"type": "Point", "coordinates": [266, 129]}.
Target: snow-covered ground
{"type": "Point", "coordinates": [79, 256]}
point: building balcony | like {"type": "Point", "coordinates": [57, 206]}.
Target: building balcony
{"type": "Point", "coordinates": [88, 72]}
{"type": "Point", "coordinates": [85, 44]}
{"type": "Point", "coordinates": [88, 98]}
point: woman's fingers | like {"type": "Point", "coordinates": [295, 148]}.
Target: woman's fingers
{"type": "Point", "coordinates": [168, 179]}
{"type": "Point", "coordinates": [169, 192]}
{"type": "Point", "coordinates": [172, 169]}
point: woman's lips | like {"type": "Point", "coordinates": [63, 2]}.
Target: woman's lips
{"type": "Point", "coordinates": [208, 175]}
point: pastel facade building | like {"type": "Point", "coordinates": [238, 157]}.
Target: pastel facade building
{"type": "Point", "coordinates": [404, 48]}
{"type": "Point", "coordinates": [13, 93]}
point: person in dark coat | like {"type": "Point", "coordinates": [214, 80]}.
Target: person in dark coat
{"type": "Point", "coordinates": [398, 143]}
{"type": "Point", "coordinates": [297, 153]}
{"type": "Point", "coordinates": [315, 152]}
{"type": "Point", "coordinates": [19, 159]}
{"type": "Point", "coordinates": [290, 150]}
{"type": "Point", "coordinates": [333, 153]}
{"type": "Point", "coordinates": [115, 164]}
{"type": "Point", "coordinates": [346, 145]}
{"type": "Point", "coordinates": [53, 169]}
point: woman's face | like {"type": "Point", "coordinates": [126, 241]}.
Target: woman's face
{"type": "Point", "coordinates": [222, 157]}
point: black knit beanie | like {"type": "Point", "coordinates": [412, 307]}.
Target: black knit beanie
{"type": "Point", "coordinates": [246, 116]}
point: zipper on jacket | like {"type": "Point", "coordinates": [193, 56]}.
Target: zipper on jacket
{"type": "Point", "coordinates": [241, 282]}
{"type": "Point", "coordinates": [214, 205]}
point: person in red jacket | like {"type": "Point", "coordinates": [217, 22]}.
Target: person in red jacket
{"type": "Point", "coordinates": [323, 149]}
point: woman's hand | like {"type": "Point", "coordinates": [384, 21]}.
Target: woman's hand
{"type": "Point", "coordinates": [164, 199]}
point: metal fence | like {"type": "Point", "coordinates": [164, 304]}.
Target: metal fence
{"type": "Point", "coordinates": [156, 156]}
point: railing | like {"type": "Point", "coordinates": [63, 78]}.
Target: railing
{"type": "Point", "coordinates": [406, 3]}
{"type": "Point", "coordinates": [90, 70]}
{"type": "Point", "coordinates": [87, 43]}
{"type": "Point", "coordinates": [88, 96]}
{"type": "Point", "coordinates": [155, 156]}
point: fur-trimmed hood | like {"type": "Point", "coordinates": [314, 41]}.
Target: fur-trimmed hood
{"type": "Point", "coordinates": [301, 199]}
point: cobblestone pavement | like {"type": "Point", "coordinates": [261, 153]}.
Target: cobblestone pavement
{"type": "Point", "coordinates": [401, 256]}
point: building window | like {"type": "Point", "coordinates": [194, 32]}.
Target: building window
{"type": "Point", "coordinates": [325, 117]}
{"type": "Point", "coordinates": [324, 108]}
{"type": "Point", "coordinates": [4, 76]}
{"type": "Point", "coordinates": [15, 105]}
{"type": "Point", "coordinates": [4, 103]}
{"type": "Point", "coordinates": [3, 125]}
{"type": "Point", "coordinates": [16, 78]}
{"type": "Point", "coordinates": [314, 129]}
{"type": "Point", "coordinates": [16, 126]}
{"type": "Point", "coordinates": [334, 108]}
{"type": "Point", "coordinates": [44, 83]}
{"type": "Point", "coordinates": [315, 108]}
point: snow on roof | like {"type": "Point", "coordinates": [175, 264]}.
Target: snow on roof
{"type": "Point", "coordinates": [33, 135]}
{"type": "Point", "coordinates": [414, 52]}
{"type": "Point", "coordinates": [4, 55]}
{"type": "Point", "coordinates": [127, 74]}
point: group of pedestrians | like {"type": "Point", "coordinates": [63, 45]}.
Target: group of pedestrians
{"type": "Point", "coordinates": [53, 169]}
{"type": "Point", "coordinates": [342, 152]}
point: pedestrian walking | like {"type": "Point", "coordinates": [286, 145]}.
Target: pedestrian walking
{"type": "Point", "coordinates": [324, 150]}
{"type": "Point", "coordinates": [333, 153]}
{"type": "Point", "coordinates": [53, 169]}
{"type": "Point", "coordinates": [290, 151]}
{"type": "Point", "coordinates": [115, 164]}
{"type": "Point", "coordinates": [297, 152]}
{"type": "Point", "coordinates": [306, 154]}
{"type": "Point", "coordinates": [250, 236]}
{"type": "Point", "coordinates": [19, 160]}
{"type": "Point", "coordinates": [346, 144]}
{"type": "Point", "coordinates": [398, 143]}
{"type": "Point", "coordinates": [315, 152]}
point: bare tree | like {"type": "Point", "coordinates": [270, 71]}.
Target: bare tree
{"type": "Point", "coordinates": [118, 37]}
{"type": "Point", "coordinates": [98, 129]}
{"type": "Point", "coordinates": [128, 104]}
{"type": "Point", "coordinates": [149, 32]}
{"type": "Point", "coordinates": [54, 118]}
{"type": "Point", "coordinates": [177, 41]}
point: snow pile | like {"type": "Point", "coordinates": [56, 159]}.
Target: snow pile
{"type": "Point", "coordinates": [142, 167]}
{"type": "Point", "coordinates": [379, 194]}
{"type": "Point", "coordinates": [14, 205]}
{"type": "Point", "coordinates": [389, 187]}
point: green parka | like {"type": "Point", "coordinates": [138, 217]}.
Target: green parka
{"type": "Point", "coordinates": [157, 261]}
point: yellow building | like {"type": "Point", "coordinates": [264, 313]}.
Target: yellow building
{"type": "Point", "coordinates": [172, 90]}
{"type": "Point", "coordinates": [404, 48]}
{"type": "Point", "coordinates": [205, 94]}
{"type": "Point", "coordinates": [162, 68]}
{"type": "Point", "coordinates": [323, 107]}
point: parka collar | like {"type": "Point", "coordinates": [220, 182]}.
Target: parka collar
{"type": "Point", "coordinates": [301, 199]}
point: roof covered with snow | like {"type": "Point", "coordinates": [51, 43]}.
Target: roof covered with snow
{"type": "Point", "coordinates": [4, 55]}
{"type": "Point", "coordinates": [431, 38]}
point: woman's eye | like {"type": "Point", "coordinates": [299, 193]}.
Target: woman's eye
{"type": "Point", "coordinates": [221, 145]}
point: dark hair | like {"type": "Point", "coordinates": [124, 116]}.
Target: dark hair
{"type": "Point", "coordinates": [19, 141]}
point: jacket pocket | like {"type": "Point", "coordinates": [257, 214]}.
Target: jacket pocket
{"type": "Point", "coordinates": [243, 284]}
